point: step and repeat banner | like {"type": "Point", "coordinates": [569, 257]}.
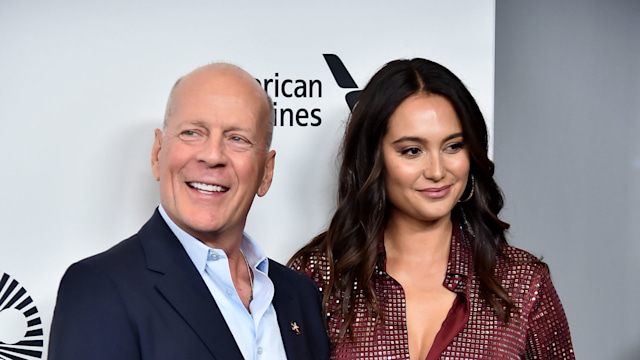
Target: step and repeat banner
{"type": "Point", "coordinates": [84, 85]}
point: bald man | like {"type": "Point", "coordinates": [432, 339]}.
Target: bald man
{"type": "Point", "coordinates": [191, 284]}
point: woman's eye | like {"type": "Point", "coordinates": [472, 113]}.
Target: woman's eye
{"type": "Point", "coordinates": [411, 151]}
{"type": "Point", "coordinates": [455, 147]}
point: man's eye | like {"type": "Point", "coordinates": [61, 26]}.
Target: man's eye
{"type": "Point", "coordinates": [240, 140]}
{"type": "Point", "coordinates": [190, 135]}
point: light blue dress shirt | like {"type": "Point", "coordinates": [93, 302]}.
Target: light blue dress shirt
{"type": "Point", "coordinates": [257, 333]}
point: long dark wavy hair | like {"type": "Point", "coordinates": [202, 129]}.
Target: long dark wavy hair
{"type": "Point", "coordinates": [350, 242]}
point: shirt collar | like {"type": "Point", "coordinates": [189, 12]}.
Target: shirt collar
{"type": "Point", "coordinates": [255, 256]}
{"type": "Point", "coordinates": [460, 265]}
{"type": "Point", "coordinates": [460, 255]}
{"type": "Point", "coordinates": [199, 252]}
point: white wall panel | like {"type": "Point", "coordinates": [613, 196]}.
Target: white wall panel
{"type": "Point", "coordinates": [84, 84]}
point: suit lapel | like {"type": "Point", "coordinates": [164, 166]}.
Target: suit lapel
{"type": "Point", "coordinates": [289, 316]}
{"type": "Point", "coordinates": [183, 287]}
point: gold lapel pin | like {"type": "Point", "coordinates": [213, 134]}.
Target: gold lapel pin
{"type": "Point", "coordinates": [295, 327]}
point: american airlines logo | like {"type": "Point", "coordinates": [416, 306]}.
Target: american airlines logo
{"type": "Point", "coordinates": [296, 100]}
{"type": "Point", "coordinates": [343, 78]}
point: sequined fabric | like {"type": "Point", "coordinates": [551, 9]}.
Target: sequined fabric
{"type": "Point", "coordinates": [539, 331]}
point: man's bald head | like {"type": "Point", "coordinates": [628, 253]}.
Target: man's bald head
{"type": "Point", "coordinates": [213, 157]}
{"type": "Point", "coordinates": [219, 72]}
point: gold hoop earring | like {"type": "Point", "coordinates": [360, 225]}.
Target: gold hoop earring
{"type": "Point", "coordinates": [473, 186]}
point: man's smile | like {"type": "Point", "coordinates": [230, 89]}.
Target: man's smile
{"type": "Point", "coordinates": [207, 188]}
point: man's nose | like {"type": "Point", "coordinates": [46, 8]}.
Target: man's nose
{"type": "Point", "coordinates": [213, 151]}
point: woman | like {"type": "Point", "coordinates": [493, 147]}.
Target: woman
{"type": "Point", "coordinates": [415, 263]}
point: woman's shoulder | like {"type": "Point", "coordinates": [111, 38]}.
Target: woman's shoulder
{"type": "Point", "coordinates": [528, 282]}
{"type": "Point", "coordinates": [314, 264]}
{"type": "Point", "coordinates": [515, 254]}
{"type": "Point", "coordinates": [516, 262]}
{"type": "Point", "coordinates": [309, 260]}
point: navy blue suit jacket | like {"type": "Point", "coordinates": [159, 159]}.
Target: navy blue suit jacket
{"type": "Point", "coordinates": [144, 299]}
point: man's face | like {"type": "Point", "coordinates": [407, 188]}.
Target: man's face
{"type": "Point", "coordinates": [212, 158]}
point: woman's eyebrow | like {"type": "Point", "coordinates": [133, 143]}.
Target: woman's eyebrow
{"type": "Point", "coordinates": [423, 140]}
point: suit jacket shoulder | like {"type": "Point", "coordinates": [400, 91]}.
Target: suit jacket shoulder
{"type": "Point", "coordinates": [141, 299]}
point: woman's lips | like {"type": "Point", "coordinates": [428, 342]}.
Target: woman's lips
{"type": "Point", "coordinates": [436, 192]}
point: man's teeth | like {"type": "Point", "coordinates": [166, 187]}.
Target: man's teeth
{"type": "Point", "coordinates": [207, 187]}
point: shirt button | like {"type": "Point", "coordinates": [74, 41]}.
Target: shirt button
{"type": "Point", "coordinates": [259, 350]}
{"type": "Point", "coordinates": [228, 292]}
{"type": "Point", "coordinates": [213, 256]}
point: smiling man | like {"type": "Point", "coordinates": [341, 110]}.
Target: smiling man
{"type": "Point", "coordinates": [192, 284]}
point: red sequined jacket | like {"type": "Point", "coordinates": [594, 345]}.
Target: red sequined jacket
{"type": "Point", "coordinates": [471, 330]}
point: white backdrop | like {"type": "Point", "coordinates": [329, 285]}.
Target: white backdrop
{"type": "Point", "coordinates": [84, 84]}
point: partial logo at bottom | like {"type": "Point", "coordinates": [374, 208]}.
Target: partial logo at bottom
{"type": "Point", "coordinates": [21, 334]}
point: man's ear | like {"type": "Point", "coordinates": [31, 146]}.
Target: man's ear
{"type": "Point", "coordinates": [155, 154]}
{"type": "Point", "coordinates": [267, 177]}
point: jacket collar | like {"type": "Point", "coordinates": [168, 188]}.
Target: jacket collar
{"type": "Point", "coordinates": [183, 287]}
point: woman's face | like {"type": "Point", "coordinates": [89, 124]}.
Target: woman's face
{"type": "Point", "coordinates": [426, 162]}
